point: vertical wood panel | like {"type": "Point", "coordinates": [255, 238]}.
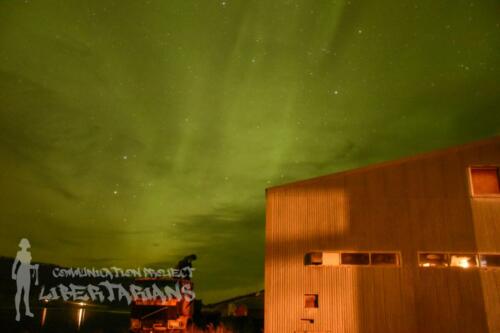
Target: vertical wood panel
{"type": "Point", "coordinates": [417, 204]}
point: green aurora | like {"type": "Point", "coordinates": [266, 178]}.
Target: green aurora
{"type": "Point", "coordinates": [136, 132]}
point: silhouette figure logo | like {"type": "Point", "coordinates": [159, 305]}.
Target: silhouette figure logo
{"type": "Point", "coordinates": [22, 271]}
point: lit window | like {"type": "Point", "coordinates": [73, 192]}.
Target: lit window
{"type": "Point", "coordinates": [355, 258]}
{"type": "Point", "coordinates": [313, 259]}
{"type": "Point", "coordinates": [489, 260]}
{"type": "Point", "coordinates": [432, 259]}
{"type": "Point", "coordinates": [384, 259]}
{"type": "Point", "coordinates": [331, 258]}
{"type": "Point", "coordinates": [485, 180]}
{"type": "Point", "coordinates": [322, 259]}
{"type": "Point", "coordinates": [463, 260]}
{"type": "Point", "coordinates": [311, 300]}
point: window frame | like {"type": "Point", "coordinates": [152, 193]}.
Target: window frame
{"type": "Point", "coordinates": [480, 266]}
{"type": "Point", "coordinates": [471, 185]}
{"type": "Point", "coordinates": [310, 253]}
{"type": "Point", "coordinates": [476, 255]}
{"type": "Point", "coordinates": [399, 258]}
{"type": "Point", "coordinates": [316, 300]}
{"type": "Point", "coordinates": [355, 252]}
{"type": "Point", "coordinates": [398, 255]}
{"type": "Point", "coordinates": [472, 254]}
{"type": "Point", "coordinates": [335, 253]}
{"type": "Point", "coordinates": [445, 253]}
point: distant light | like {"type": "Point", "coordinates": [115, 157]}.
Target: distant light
{"type": "Point", "coordinates": [44, 316]}
{"type": "Point", "coordinates": [80, 317]}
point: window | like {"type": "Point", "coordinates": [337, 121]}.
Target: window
{"type": "Point", "coordinates": [313, 259]}
{"type": "Point", "coordinates": [485, 181]}
{"type": "Point", "coordinates": [489, 260]}
{"type": "Point", "coordinates": [331, 258]}
{"type": "Point", "coordinates": [463, 260]}
{"type": "Point", "coordinates": [352, 258]}
{"type": "Point", "coordinates": [355, 258]}
{"type": "Point", "coordinates": [311, 300]}
{"type": "Point", "coordinates": [433, 259]}
{"type": "Point", "coordinates": [384, 259]}
{"type": "Point", "coordinates": [322, 259]}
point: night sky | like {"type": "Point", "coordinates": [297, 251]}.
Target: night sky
{"type": "Point", "coordinates": [137, 132]}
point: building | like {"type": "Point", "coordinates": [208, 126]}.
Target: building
{"type": "Point", "coordinates": [406, 246]}
{"type": "Point", "coordinates": [238, 314]}
{"type": "Point", "coordinates": [249, 305]}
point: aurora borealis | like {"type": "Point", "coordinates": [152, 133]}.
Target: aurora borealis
{"type": "Point", "coordinates": [136, 132]}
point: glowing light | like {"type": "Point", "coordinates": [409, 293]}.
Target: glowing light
{"type": "Point", "coordinates": [80, 317]}
{"type": "Point", "coordinates": [44, 315]}
{"type": "Point", "coordinates": [463, 262]}
{"type": "Point", "coordinates": [135, 323]}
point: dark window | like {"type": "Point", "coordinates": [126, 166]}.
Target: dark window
{"type": "Point", "coordinates": [313, 258]}
{"type": "Point", "coordinates": [489, 260]}
{"type": "Point", "coordinates": [433, 259]}
{"type": "Point", "coordinates": [388, 259]}
{"type": "Point", "coordinates": [355, 258]}
{"type": "Point", "coordinates": [485, 180]}
{"type": "Point", "coordinates": [311, 300]}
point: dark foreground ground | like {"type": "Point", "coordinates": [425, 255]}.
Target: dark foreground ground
{"type": "Point", "coordinates": [66, 320]}
{"type": "Point", "coordinates": [69, 317]}
{"type": "Point", "coordinates": [105, 320]}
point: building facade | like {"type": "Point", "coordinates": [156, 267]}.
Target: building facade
{"type": "Point", "coordinates": [406, 246]}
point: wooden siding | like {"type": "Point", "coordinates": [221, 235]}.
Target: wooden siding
{"type": "Point", "coordinates": [417, 204]}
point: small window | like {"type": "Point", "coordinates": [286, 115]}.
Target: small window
{"type": "Point", "coordinates": [331, 258]}
{"type": "Point", "coordinates": [355, 258]}
{"type": "Point", "coordinates": [313, 259]}
{"type": "Point", "coordinates": [322, 259]}
{"type": "Point", "coordinates": [489, 260]}
{"type": "Point", "coordinates": [311, 300]}
{"type": "Point", "coordinates": [485, 180]}
{"type": "Point", "coordinates": [433, 259]}
{"type": "Point", "coordinates": [384, 259]}
{"type": "Point", "coordinates": [463, 260]}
